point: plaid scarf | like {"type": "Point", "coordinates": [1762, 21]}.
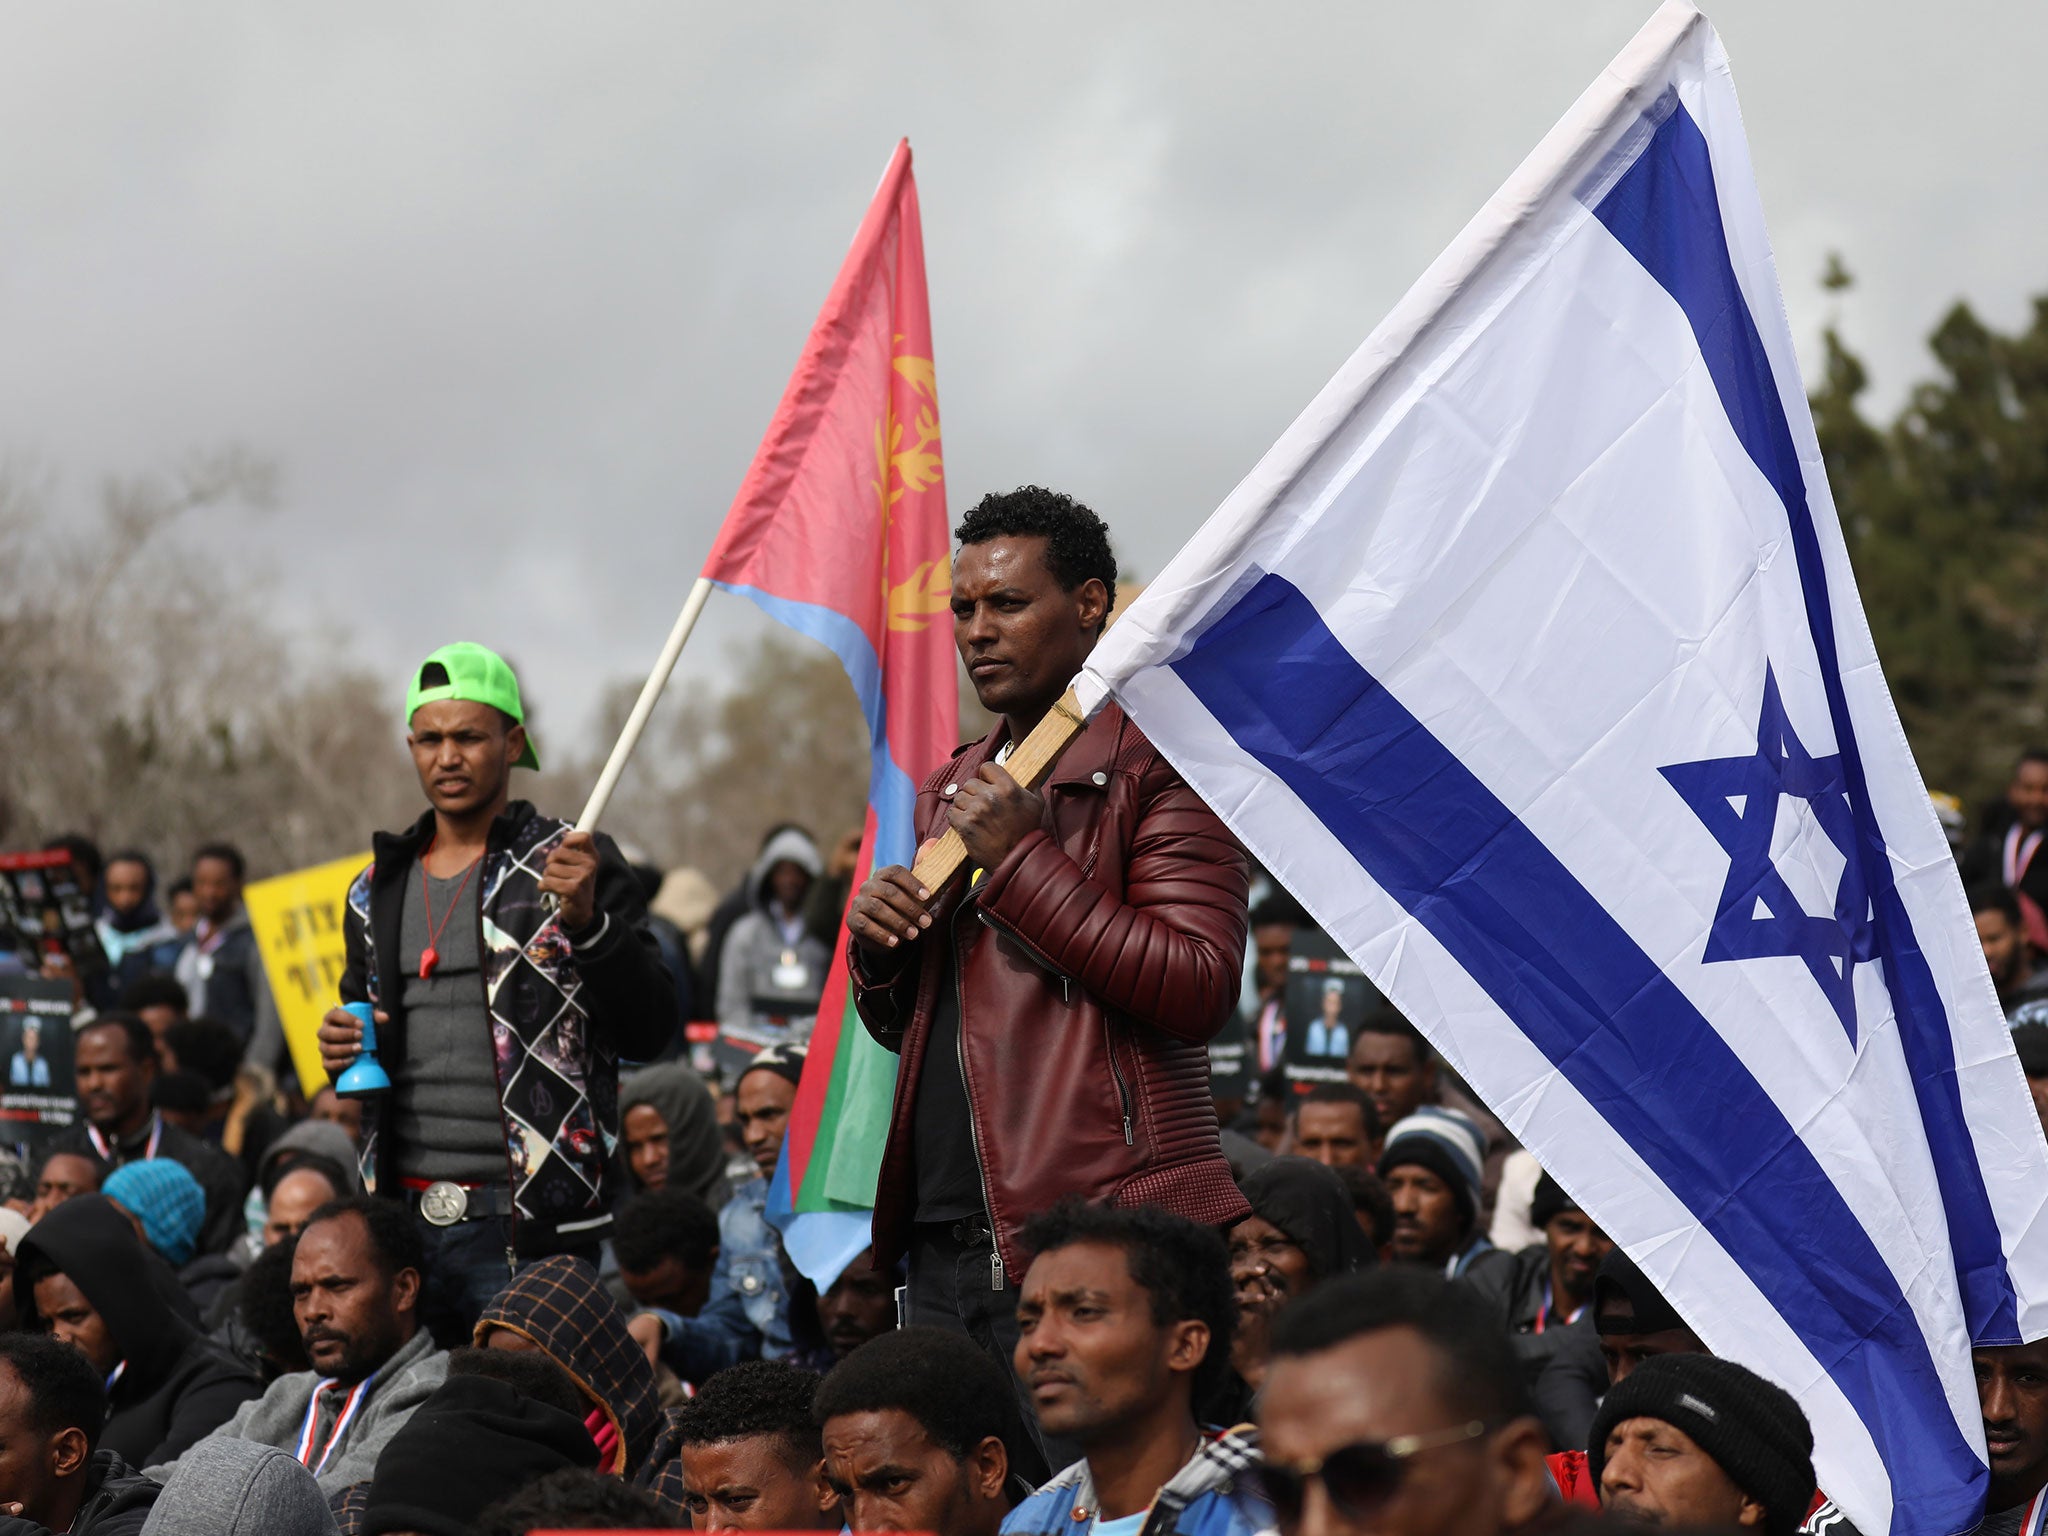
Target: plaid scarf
{"type": "Point", "coordinates": [561, 1308]}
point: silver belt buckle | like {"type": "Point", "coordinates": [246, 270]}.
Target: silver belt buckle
{"type": "Point", "coordinates": [444, 1203]}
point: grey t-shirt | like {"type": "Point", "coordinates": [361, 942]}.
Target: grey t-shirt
{"type": "Point", "coordinates": [445, 1117]}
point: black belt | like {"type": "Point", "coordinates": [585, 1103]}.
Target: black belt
{"type": "Point", "coordinates": [968, 1229]}
{"type": "Point", "coordinates": [443, 1202]}
{"type": "Point", "coordinates": [972, 1230]}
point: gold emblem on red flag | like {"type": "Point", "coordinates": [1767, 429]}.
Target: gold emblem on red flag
{"type": "Point", "coordinates": [916, 466]}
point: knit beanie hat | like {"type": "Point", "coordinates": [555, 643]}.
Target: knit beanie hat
{"type": "Point", "coordinates": [166, 1199]}
{"type": "Point", "coordinates": [469, 1445]}
{"type": "Point", "coordinates": [785, 1061]}
{"type": "Point", "coordinates": [1754, 1430]}
{"type": "Point", "coordinates": [1549, 1203]}
{"type": "Point", "coordinates": [1446, 1143]}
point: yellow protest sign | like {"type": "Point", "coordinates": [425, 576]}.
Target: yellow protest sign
{"type": "Point", "coordinates": [297, 919]}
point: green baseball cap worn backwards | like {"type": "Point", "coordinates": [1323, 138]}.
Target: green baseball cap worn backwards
{"type": "Point", "coordinates": [475, 676]}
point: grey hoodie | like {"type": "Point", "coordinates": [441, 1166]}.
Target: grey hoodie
{"type": "Point", "coordinates": [406, 1380]}
{"type": "Point", "coordinates": [762, 976]}
{"type": "Point", "coordinates": [240, 1488]}
{"type": "Point", "coordinates": [322, 1138]}
{"type": "Point", "coordinates": [696, 1145]}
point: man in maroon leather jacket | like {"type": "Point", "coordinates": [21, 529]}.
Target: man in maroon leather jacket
{"type": "Point", "coordinates": [1053, 1020]}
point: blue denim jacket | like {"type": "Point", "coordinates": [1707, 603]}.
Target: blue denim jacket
{"type": "Point", "coordinates": [1217, 1493]}
{"type": "Point", "coordinates": [747, 1315]}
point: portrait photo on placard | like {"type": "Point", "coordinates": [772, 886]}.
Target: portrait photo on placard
{"type": "Point", "coordinates": [1328, 996]}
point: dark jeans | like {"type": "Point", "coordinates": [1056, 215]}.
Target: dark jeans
{"type": "Point", "coordinates": [949, 1288]}
{"type": "Point", "coordinates": [467, 1265]}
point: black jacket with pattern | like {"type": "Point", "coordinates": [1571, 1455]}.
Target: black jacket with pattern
{"type": "Point", "coordinates": [563, 1010]}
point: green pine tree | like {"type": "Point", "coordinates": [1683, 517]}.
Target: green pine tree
{"type": "Point", "coordinates": [1945, 510]}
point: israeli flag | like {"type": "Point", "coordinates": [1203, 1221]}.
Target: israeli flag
{"type": "Point", "coordinates": [1530, 660]}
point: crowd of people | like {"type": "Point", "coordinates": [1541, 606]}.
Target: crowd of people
{"type": "Point", "coordinates": [534, 1284]}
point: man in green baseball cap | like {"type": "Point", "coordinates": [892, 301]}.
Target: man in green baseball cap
{"type": "Point", "coordinates": [471, 674]}
{"type": "Point", "coordinates": [509, 966]}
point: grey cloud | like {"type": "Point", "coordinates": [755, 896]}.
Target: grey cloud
{"type": "Point", "coordinates": [510, 290]}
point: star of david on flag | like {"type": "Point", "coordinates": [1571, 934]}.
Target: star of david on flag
{"type": "Point", "coordinates": [1739, 799]}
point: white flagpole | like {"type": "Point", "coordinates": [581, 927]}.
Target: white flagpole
{"type": "Point", "coordinates": [636, 722]}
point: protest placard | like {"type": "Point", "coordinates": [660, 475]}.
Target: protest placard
{"type": "Point", "coordinates": [38, 1095]}
{"type": "Point", "coordinates": [1327, 997]}
{"type": "Point", "coordinates": [45, 912]}
{"type": "Point", "coordinates": [298, 923]}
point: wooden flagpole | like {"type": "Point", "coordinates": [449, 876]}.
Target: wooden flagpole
{"type": "Point", "coordinates": [650, 692]}
{"type": "Point", "coordinates": [1028, 765]}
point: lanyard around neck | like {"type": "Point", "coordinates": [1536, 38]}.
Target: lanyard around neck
{"type": "Point", "coordinates": [107, 1149]}
{"type": "Point", "coordinates": [2020, 848]}
{"type": "Point", "coordinates": [1543, 1313]}
{"type": "Point", "coordinates": [341, 1423]}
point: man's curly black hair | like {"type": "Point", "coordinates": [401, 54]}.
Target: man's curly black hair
{"type": "Point", "coordinates": [265, 1310]}
{"type": "Point", "coordinates": [940, 1378]}
{"type": "Point", "coordinates": [659, 1223]}
{"type": "Point", "coordinates": [1477, 1374]}
{"type": "Point", "coordinates": [573, 1499]}
{"type": "Point", "coordinates": [1183, 1264]}
{"type": "Point", "coordinates": [155, 989]}
{"type": "Point", "coordinates": [755, 1397]}
{"type": "Point", "coordinates": [1076, 540]}
{"type": "Point", "coordinates": [60, 1394]}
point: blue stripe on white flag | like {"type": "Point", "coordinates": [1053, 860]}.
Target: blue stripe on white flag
{"type": "Point", "coordinates": [1666, 213]}
{"type": "Point", "coordinates": [1556, 962]}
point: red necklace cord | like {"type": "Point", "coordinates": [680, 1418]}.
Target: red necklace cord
{"type": "Point", "coordinates": [431, 955]}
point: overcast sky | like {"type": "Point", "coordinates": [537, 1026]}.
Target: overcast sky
{"type": "Point", "coordinates": [509, 291]}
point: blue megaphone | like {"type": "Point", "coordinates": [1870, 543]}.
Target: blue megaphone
{"type": "Point", "coordinates": [364, 1076]}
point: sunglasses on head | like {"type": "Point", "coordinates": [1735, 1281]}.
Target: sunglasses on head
{"type": "Point", "coordinates": [1358, 1478]}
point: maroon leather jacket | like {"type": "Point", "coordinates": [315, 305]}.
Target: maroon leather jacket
{"type": "Point", "coordinates": [1107, 953]}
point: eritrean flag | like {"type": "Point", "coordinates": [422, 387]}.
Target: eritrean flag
{"type": "Point", "coordinates": [839, 531]}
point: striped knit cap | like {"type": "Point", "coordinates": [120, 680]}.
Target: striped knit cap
{"type": "Point", "coordinates": [1445, 1142]}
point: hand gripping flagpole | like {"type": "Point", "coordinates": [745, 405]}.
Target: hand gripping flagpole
{"type": "Point", "coordinates": [650, 692]}
{"type": "Point", "coordinates": [944, 857]}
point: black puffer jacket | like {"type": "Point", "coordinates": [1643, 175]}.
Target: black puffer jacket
{"type": "Point", "coordinates": [174, 1386]}
{"type": "Point", "coordinates": [118, 1500]}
